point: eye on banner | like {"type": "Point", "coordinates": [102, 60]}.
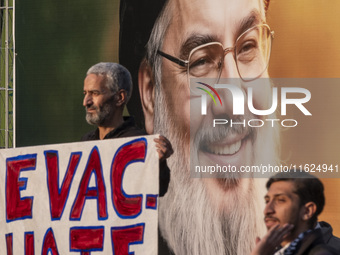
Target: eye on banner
{"type": "Point", "coordinates": [78, 198]}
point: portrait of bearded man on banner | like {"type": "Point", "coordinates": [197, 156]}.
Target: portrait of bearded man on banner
{"type": "Point", "coordinates": [157, 42]}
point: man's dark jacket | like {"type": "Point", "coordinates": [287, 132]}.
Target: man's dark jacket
{"type": "Point", "coordinates": [314, 244]}
{"type": "Point", "coordinates": [327, 233]}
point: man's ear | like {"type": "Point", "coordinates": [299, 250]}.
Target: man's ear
{"type": "Point", "coordinates": [121, 97]}
{"type": "Point", "coordinates": [146, 87]}
{"type": "Point", "coordinates": [309, 209]}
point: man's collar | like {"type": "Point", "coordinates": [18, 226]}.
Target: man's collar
{"type": "Point", "coordinates": [317, 225]}
{"type": "Point", "coordinates": [128, 121]}
{"type": "Point", "coordinates": [282, 250]}
{"type": "Point", "coordinates": [326, 229]}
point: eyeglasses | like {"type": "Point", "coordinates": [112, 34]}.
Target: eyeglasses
{"type": "Point", "coordinates": [251, 53]}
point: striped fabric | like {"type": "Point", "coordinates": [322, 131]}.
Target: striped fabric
{"type": "Point", "coordinates": [295, 245]}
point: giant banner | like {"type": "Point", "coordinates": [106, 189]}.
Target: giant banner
{"type": "Point", "coordinates": [57, 42]}
{"type": "Point", "coordinates": [78, 198]}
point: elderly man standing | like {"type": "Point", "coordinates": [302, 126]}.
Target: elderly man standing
{"type": "Point", "coordinates": [107, 89]}
{"type": "Point", "coordinates": [165, 44]}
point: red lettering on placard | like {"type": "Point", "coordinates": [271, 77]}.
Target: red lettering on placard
{"type": "Point", "coordinates": [9, 244]}
{"type": "Point", "coordinates": [151, 201]}
{"type": "Point", "coordinates": [122, 237]}
{"type": "Point", "coordinates": [93, 167]}
{"type": "Point", "coordinates": [29, 243]}
{"type": "Point", "coordinates": [86, 239]}
{"type": "Point", "coordinates": [126, 206]}
{"type": "Point", "coordinates": [58, 197]}
{"type": "Point", "coordinates": [16, 206]}
{"type": "Point", "coordinates": [49, 244]}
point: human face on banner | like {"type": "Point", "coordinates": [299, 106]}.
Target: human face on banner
{"type": "Point", "coordinates": [226, 208]}
{"type": "Point", "coordinates": [195, 23]}
{"type": "Point", "coordinates": [98, 100]}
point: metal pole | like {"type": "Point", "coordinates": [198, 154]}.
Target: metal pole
{"type": "Point", "coordinates": [6, 76]}
{"type": "Point", "coordinates": [14, 78]}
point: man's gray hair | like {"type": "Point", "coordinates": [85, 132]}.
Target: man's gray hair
{"type": "Point", "coordinates": [117, 76]}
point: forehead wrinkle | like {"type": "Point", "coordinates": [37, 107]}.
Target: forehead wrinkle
{"type": "Point", "coordinates": [180, 20]}
{"type": "Point", "coordinates": [283, 193]}
{"type": "Point", "coordinates": [276, 195]}
{"type": "Point", "coordinates": [195, 39]}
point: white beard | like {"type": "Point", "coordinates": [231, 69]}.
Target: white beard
{"type": "Point", "coordinates": [190, 220]}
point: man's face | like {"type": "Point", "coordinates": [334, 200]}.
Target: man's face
{"type": "Point", "coordinates": [225, 209]}
{"type": "Point", "coordinates": [97, 100]}
{"type": "Point", "coordinates": [195, 23]}
{"type": "Point", "coordinates": [282, 206]}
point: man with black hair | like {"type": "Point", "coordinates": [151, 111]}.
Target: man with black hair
{"type": "Point", "coordinates": [294, 200]}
